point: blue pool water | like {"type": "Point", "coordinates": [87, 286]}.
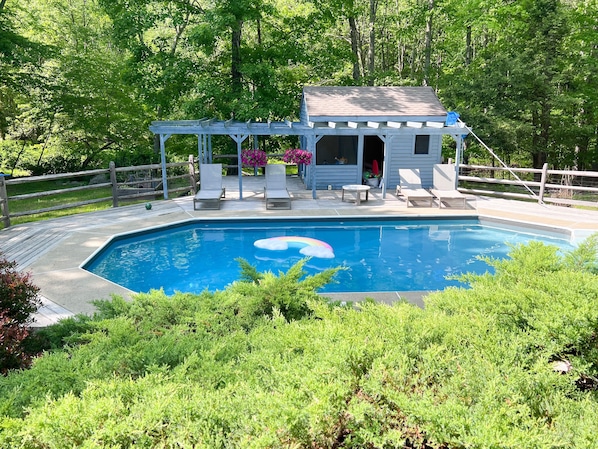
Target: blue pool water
{"type": "Point", "coordinates": [380, 255]}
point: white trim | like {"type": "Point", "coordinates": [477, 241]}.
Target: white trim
{"type": "Point", "coordinates": [435, 124]}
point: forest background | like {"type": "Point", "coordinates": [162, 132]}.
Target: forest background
{"type": "Point", "coordinates": [81, 80]}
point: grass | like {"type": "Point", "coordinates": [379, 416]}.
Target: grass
{"type": "Point", "coordinates": [32, 204]}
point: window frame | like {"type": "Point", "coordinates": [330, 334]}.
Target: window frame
{"type": "Point", "coordinates": [418, 147]}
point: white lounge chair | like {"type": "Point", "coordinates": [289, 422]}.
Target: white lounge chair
{"type": "Point", "coordinates": [210, 187]}
{"type": "Point", "coordinates": [444, 186]}
{"type": "Point", "coordinates": [276, 193]}
{"type": "Point", "coordinates": [410, 186]}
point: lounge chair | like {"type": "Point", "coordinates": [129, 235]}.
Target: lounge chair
{"type": "Point", "coordinates": [444, 186]}
{"type": "Point", "coordinates": [411, 188]}
{"type": "Point", "coordinates": [210, 187]}
{"type": "Point", "coordinates": [275, 192]}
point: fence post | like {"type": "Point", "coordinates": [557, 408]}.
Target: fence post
{"type": "Point", "coordinates": [4, 202]}
{"type": "Point", "coordinates": [543, 183]}
{"type": "Point", "coordinates": [114, 184]}
{"type": "Point", "coordinates": [192, 178]}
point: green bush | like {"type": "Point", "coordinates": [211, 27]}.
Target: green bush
{"type": "Point", "coordinates": [268, 363]}
{"type": "Point", "coordinates": [18, 300]}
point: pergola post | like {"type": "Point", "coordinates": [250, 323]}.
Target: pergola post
{"type": "Point", "coordinates": [239, 138]}
{"type": "Point", "coordinates": [163, 139]}
{"type": "Point", "coordinates": [200, 150]}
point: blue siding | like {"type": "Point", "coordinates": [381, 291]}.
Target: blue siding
{"type": "Point", "coordinates": [335, 175]}
{"type": "Point", "coordinates": [400, 150]}
{"type": "Point", "coordinates": [400, 155]}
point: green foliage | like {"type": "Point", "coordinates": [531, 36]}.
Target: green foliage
{"type": "Point", "coordinates": [229, 369]}
{"type": "Point", "coordinates": [67, 331]}
{"type": "Point", "coordinates": [585, 256]}
{"type": "Point", "coordinates": [18, 295]}
{"type": "Point", "coordinates": [18, 300]}
{"type": "Point", "coordinates": [82, 79]}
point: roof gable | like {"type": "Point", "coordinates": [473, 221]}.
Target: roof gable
{"type": "Point", "coordinates": [380, 103]}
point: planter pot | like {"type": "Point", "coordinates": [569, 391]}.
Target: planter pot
{"type": "Point", "coordinates": [372, 182]}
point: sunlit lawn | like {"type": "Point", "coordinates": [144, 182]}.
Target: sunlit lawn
{"type": "Point", "coordinates": [32, 204]}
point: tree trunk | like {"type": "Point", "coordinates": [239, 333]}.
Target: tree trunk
{"type": "Point", "coordinates": [16, 162]}
{"type": "Point", "coordinates": [236, 56]}
{"type": "Point", "coordinates": [372, 46]}
{"type": "Point", "coordinates": [468, 49]}
{"type": "Point", "coordinates": [401, 57]}
{"type": "Point", "coordinates": [259, 32]}
{"type": "Point", "coordinates": [539, 155]}
{"type": "Point", "coordinates": [428, 43]}
{"type": "Point", "coordinates": [355, 49]}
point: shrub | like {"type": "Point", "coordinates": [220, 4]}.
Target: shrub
{"type": "Point", "coordinates": [18, 295]}
{"type": "Point", "coordinates": [18, 300]}
{"type": "Point", "coordinates": [12, 337]}
{"type": "Point", "coordinates": [267, 363]}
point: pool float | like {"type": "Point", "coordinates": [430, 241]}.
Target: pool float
{"type": "Point", "coordinates": [309, 247]}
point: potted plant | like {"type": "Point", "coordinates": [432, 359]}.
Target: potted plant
{"type": "Point", "coordinates": [371, 179]}
{"type": "Point", "coordinates": [254, 158]}
{"type": "Point", "coordinates": [297, 156]}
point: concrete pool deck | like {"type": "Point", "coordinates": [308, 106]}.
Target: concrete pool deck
{"type": "Point", "coordinates": [53, 250]}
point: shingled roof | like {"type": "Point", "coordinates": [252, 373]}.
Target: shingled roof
{"type": "Point", "coordinates": [342, 103]}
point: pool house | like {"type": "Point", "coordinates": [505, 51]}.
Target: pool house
{"type": "Point", "coordinates": [350, 131]}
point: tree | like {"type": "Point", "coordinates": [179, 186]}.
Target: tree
{"type": "Point", "coordinates": [81, 105]}
{"type": "Point", "coordinates": [18, 58]}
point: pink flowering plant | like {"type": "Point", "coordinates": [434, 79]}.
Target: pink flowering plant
{"type": "Point", "coordinates": [254, 158]}
{"type": "Point", "coordinates": [297, 156]}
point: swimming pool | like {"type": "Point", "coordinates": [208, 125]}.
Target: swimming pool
{"type": "Point", "coordinates": [379, 254]}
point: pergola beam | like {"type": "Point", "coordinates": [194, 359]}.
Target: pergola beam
{"type": "Point", "coordinates": [311, 131]}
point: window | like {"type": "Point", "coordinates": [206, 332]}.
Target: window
{"type": "Point", "coordinates": [422, 144]}
{"type": "Point", "coordinates": [337, 150]}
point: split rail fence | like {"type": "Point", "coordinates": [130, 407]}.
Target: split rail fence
{"type": "Point", "coordinates": [562, 187]}
{"type": "Point", "coordinates": [124, 184]}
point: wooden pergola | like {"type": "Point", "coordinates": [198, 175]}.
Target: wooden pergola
{"type": "Point", "coordinates": [310, 134]}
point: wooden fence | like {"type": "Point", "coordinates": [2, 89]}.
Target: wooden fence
{"type": "Point", "coordinates": [125, 183]}
{"type": "Point", "coordinates": [563, 187]}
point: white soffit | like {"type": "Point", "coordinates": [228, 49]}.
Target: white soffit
{"type": "Point", "coordinates": [353, 125]}
{"type": "Point", "coordinates": [435, 124]}
{"type": "Point", "coordinates": [393, 124]}
{"type": "Point", "coordinates": [415, 124]}
{"type": "Point", "coordinates": [373, 125]}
